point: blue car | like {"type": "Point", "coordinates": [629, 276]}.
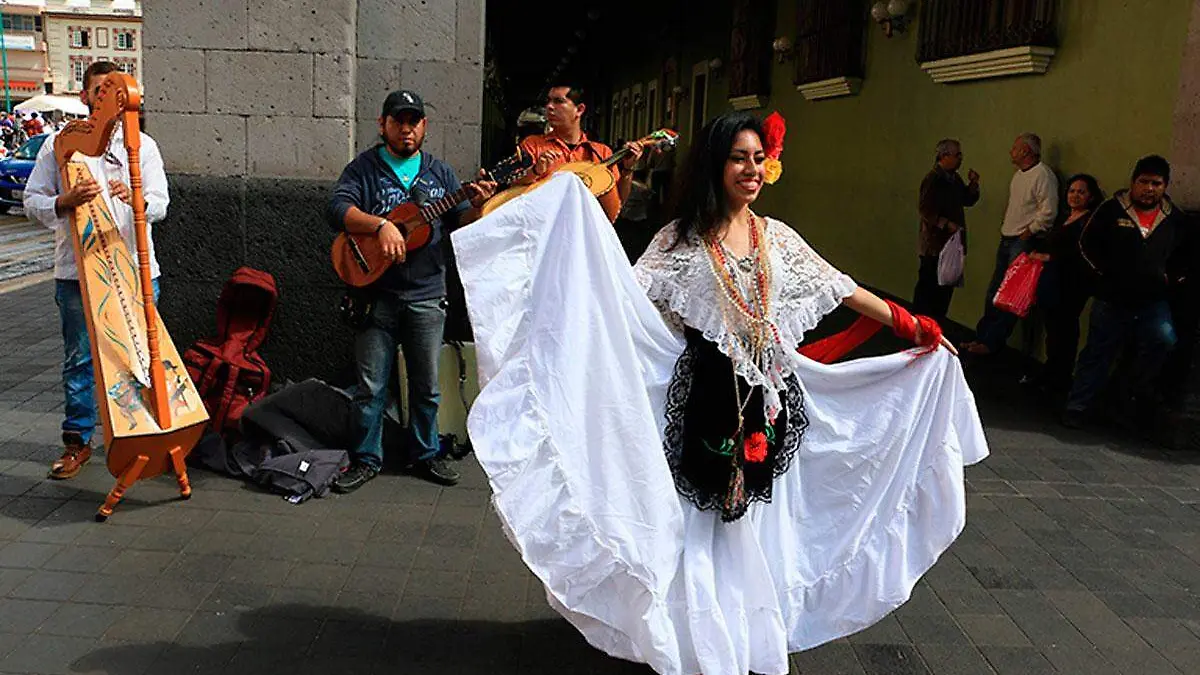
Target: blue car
{"type": "Point", "coordinates": [15, 170]}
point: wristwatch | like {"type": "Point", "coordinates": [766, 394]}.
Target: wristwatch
{"type": "Point", "coordinates": [382, 222]}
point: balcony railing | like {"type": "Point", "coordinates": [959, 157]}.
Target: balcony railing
{"type": "Point", "coordinates": [950, 28]}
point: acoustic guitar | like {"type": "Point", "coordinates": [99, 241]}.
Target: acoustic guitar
{"type": "Point", "coordinates": [359, 260]}
{"type": "Point", "coordinates": [597, 176]}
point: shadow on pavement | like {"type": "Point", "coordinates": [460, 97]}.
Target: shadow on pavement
{"type": "Point", "coordinates": [303, 639]}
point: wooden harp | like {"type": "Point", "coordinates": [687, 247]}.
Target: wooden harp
{"type": "Point", "coordinates": [149, 408]}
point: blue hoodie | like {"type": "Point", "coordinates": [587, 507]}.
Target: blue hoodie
{"type": "Point", "coordinates": [369, 184]}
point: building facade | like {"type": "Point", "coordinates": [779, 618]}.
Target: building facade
{"type": "Point", "coordinates": [1103, 83]}
{"type": "Point", "coordinates": [79, 32]}
{"type": "Point", "coordinates": [25, 55]}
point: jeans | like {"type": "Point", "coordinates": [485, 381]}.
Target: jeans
{"type": "Point", "coordinates": [417, 328]}
{"type": "Point", "coordinates": [1062, 293]}
{"type": "Point", "coordinates": [996, 325]}
{"type": "Point", "coordinates": [929, 297]}
{"type": "Point", "coordinates": [79, 381]}
{"type": "Point", "coordinates": [1154, 333]}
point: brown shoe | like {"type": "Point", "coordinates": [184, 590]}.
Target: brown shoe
{"type": "Point", "coordinates": [76, 453]}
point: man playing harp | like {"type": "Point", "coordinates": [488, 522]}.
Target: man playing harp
{"type": "Point", "coordinates": [47, 203]}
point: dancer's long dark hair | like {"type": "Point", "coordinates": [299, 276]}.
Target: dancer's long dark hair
{"type": "Point", "coordinates": [700, 202]}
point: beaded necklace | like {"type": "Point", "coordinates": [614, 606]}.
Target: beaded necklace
{"type": "Point", "coordinates": [754, 311]}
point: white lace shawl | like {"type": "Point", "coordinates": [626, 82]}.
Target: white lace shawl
{"type": "Point", "coordinates": [804, 288]}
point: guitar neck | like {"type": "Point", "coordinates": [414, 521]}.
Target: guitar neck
{"type": "Point", "coordinates": [443, 205]}
{"type": "Point", "coordinates": [624, 152]}
{"type": "Point", "coordinates": [616, 157]}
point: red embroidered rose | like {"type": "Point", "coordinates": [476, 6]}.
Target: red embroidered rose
{"type": "Point", "coordinates": [756, 447]}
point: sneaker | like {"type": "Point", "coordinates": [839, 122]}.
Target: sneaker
{"type": "Point", "coordinates": [436, 470]}
{"type": "Point", "coordinates": [76, 453]}
{"type": "Point", "coordinates": [355, 477]}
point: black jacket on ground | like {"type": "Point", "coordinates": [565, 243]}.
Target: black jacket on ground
{"type": "Point", "coordinates": [1133, 270]}
{"type": "Point", "coordinates": [370, 184]}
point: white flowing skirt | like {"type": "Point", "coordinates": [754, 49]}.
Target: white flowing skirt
{"type": "Point", "coordinates": [575, 361]}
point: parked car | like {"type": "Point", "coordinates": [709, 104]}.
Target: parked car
{"type": "Point", "coordinates": [14, 172]}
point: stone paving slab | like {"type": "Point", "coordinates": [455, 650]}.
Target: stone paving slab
{"type": "Point", "coordinates": [1081, 555]}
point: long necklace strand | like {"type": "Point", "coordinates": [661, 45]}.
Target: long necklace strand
{"type": "Point", "coordinates": [755, 310]}
{"type": "Point", "coordinates": [756, 314]}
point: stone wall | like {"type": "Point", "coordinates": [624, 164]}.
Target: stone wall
{"type": "Point", "coordinates": [1182, 429]}
{"type": "Point", "coordinates": [257, 105]}
{"type": "Point", "coordinates": [1185, 139]}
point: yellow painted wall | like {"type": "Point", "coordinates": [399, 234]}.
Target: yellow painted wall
{"type": "Point", "coordinates": [853, 164]}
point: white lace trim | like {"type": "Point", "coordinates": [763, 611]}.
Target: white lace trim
{"type": "Point", "coordinates": [804, 288]}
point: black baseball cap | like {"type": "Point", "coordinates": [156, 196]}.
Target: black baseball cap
{"type": "Point", "coordinates": [403, 101]}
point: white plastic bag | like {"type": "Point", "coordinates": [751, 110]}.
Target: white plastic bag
{"type": "Point", "coordinates": [950, 261]}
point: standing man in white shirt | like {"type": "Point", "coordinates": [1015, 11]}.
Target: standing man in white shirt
{"type": "Point", "coordinates": [1032, 207]}
{"type": "Point", "coordinates": [47, 203]}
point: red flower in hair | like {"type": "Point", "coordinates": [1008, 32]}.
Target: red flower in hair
{"type": "Point", "coordinates": [774, 129]}
{"type": "Point", "coordinates": [756, 447]}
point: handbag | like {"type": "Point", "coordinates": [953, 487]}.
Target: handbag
{"type": "Point", "coordinates": [1019, 289]}
{"type": "Point", "coordinates": [950, 261]}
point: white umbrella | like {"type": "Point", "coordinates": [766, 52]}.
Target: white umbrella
{"type": "Point", "coordinates": [46, 102]}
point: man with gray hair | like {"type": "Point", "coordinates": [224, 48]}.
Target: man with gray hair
{"type": "Point", "coordinates": [1032, 207]}
{"type": "Point", "coordinates": [942, 207]}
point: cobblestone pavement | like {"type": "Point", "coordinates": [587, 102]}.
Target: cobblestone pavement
{"type": "Point", "coordinates": [25, 246]}
{"type": "Point", "coordinates": [1081, 555]}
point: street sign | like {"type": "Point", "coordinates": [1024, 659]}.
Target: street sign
{"type": "Point", "coordinates": [21, 42]}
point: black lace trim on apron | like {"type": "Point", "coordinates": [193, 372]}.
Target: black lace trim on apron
{"type": "Point", "coordinates": [701, 413]}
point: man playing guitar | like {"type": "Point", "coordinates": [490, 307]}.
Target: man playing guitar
{"type": "Point", "coordinates": [408, 299]}
{"type": "Point", "coordinates": [566, 141]}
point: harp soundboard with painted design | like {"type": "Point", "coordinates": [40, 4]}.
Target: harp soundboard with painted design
{"type": "Point", "coordinates": [149, 408]}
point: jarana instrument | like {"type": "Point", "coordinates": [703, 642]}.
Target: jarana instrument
{"type": "Point", "coordinates": [359, 259]}
{"type": "Point", "coordinates": [597, 176]}
{"type": "Point", "coordinates": [149, 408]}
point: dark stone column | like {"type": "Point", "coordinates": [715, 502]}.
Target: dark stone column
{"type": "Point", "coordinates": [216, 225]}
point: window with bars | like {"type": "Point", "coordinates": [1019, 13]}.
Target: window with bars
{"type": "Point", "coordinates": [750, 48]}
{"type": "Point", "coordinates": [127, 66]}
{"type": "Point", "coordinates": [830, 39]}
{"type": "Point", "coordinates": [123, 38]}
{"type": "Point", "coordinates": [950, 28]}
{"type": "Point", "coordinates": [81, 38]}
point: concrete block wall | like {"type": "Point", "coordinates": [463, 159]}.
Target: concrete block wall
{"type": "Point", "coordinates": [224, 72]}
{"type": "Point", "coordinates": [257, 106]}
{"type": "Point", "coordinates": [434, 48]}
{"type": "Point", "coordinates": [1185, 137]}
{"type": "Point", "coordinates": [223, 75]}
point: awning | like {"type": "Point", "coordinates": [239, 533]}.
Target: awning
{"type": "Point", "coordinates": [46, 102]}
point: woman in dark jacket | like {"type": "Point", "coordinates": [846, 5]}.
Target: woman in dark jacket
{"type": "Point", "coordinates": [1067, 281]}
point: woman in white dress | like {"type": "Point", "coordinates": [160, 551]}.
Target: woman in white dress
{"type": "Point", "coordinates": [807, 498]}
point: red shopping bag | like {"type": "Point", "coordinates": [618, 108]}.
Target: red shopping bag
{"type": "Point", "coordinates": [1019, 288]}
